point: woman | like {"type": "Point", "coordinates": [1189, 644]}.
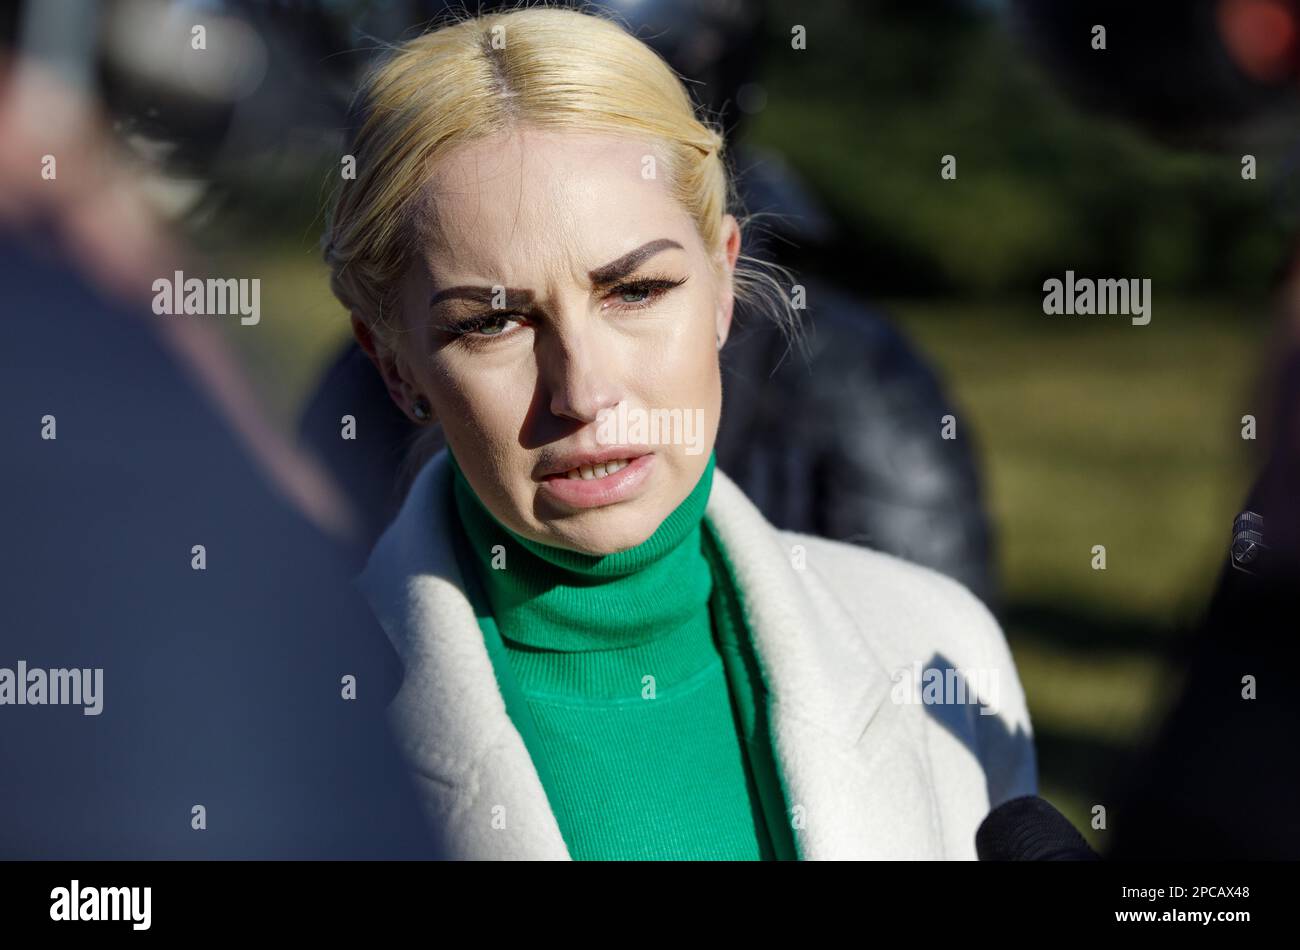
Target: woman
{"type": "Point", "coordinates": [608, 652]}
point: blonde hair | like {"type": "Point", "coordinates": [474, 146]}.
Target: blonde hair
{"type": "Point", "coordinates": [550, 67]}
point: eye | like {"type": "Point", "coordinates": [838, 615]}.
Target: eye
{"type": "Point", "coordinates": [495, 324]}
{"type": "Point", "coordinates": [636, 294]}
{"type": "Point", "coordinates": [487, 326]}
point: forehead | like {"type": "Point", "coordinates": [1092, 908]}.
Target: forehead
{"type": "Point", "coordinates": [529, 201]}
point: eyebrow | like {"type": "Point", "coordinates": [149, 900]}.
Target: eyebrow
{"type": "Point", "coordinates": [601, 276]}
{"type": "Point", "coordinates": [630, 261]}
{"type": "Point", "coordinates": [515, 297]}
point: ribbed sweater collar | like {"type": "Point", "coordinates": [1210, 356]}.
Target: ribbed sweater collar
{"type": "Point", "coordinates": [550, 598]}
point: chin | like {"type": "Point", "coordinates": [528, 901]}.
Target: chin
{"type": "Point", "coordinates": [606, 531]}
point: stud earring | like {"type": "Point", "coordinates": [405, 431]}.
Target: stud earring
{"type": "Point", "coordinates": [420, 409]}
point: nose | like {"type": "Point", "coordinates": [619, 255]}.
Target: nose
{"type": "Point", "coordinates": [581, 375]}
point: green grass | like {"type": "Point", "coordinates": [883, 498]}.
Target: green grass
{"type": "Point", "coordinates": [1093, 431]}
{"type": "Point", "coordinates": [302, 324]}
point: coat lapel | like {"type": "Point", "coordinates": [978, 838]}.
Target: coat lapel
{"type": "Point", "coordinates": [479, 787]}
{"type": "Point", "coordinates": [852, 762]}
{"type": "Point", "coordinates": [857, 780]}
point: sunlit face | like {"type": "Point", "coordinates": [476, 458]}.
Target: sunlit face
{"type": "Point", "coordinates": [567, 309]}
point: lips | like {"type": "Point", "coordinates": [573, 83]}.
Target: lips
{"type": "Point", "coordinates": [582, 485]}
{"type": "Point", "coordinates": [591, 465]}
{"type": "Point", "coordinates": [599, 470]}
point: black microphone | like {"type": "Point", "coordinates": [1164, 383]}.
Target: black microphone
{"type": "Point", "coordinates": [1247, 542]}
{"type": "Point", "coordinates": [1030, 829]}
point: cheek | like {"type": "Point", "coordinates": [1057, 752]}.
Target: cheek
{"type": "Point", "coordinates": [481, 418]}
{"type": "Point", "coordinates": [688, 368]}
{"type": "Point", "coordinates": [475, 404]}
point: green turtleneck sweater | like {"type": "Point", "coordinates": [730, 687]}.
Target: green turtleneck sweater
{"type": "Point", "coordinates": [631, 680]}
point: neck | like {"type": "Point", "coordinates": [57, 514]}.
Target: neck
{"type": "Point", "coordinates": [550, 598]}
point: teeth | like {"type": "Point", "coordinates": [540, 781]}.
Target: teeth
{"type": "Point", "coordinates": [599, 470]}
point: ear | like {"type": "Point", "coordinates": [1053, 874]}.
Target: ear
{"type": "Point", "coordinates": [728, 254]}
{"type": "Point", "coordinates": [390, 368]}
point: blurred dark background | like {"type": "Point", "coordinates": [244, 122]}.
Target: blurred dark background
{"type": "Point", "coordinates": [1123, 162]}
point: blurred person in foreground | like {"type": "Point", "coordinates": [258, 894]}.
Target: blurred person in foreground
{"type": "Point", "coordinates": [1219, 779]}
{"type": "Point", "coordinates": [219, 725]}
{"type": "Point", "coordinates": [609, 652]}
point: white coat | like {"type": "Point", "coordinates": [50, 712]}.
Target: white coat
{"type": "Point", "coordinates": [870, 770]}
